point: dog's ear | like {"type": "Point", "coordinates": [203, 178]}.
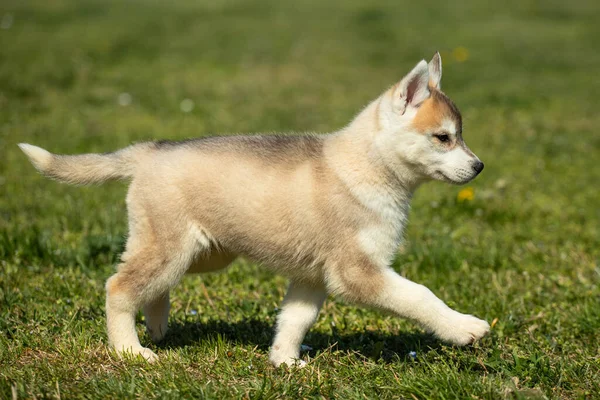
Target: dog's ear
{"type": "Point", "coordinates": [435, 71]}
{"type": "Point", "coordinates": [412, 89]}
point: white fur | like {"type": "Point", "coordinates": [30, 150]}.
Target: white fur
{"type": "Point", "coordinates": [120, 321]}
{"type": "Point", "coordinates": [380, 243]}
{"type": "Point", "coordinates": [200, 235]}
{"type": "Point", "coordinates": [448, 126]}
{"type": "Point", "coordinates": [298, 313]}
{"type": "Point", "coordinates": [418, 303]}
{"type": "Point", "coordinates": [455, 165]}
{"type": "Point", "coordinates": [38, 156]}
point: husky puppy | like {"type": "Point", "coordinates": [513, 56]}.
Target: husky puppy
{"type": "Point", "coordinates": [326, 211]}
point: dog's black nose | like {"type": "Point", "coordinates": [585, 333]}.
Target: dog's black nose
{"type": "Point", "coordinates": [478, 166]}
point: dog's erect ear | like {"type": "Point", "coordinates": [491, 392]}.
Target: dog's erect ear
{"type": "Point", "coordinates": [412, 89]}
{"type": "Point", "coordinates": [435, 71]}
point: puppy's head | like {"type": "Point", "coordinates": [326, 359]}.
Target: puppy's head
{"type": "Point", "coordinates": [421, 128]}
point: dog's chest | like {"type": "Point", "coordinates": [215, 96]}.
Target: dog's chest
{"type": "Point", "coordinates": [380, 237]}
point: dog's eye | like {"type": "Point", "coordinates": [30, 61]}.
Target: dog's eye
{"type": "Point", "coordinates": [442, 137]}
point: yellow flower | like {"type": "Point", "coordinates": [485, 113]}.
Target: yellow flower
{"type": "Point", "coordinates": [460, 54]}
{"type": "Point", "coordinates": [467, 194]}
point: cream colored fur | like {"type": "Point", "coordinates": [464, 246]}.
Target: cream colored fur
{"type": "Point", "coordinates": [327, 211]}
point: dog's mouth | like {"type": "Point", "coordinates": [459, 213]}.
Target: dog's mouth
{"type": "Point", "coordinates": [445, 178]}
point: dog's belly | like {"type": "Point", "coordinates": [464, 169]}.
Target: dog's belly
{"type": "Point", "coordinates": [214, 261]}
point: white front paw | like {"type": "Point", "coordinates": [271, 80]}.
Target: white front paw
{"type": "Point", "coordinates": [462, 329]}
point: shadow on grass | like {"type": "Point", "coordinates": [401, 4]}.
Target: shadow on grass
{"type": "Point", "coordinates": [369, 344]}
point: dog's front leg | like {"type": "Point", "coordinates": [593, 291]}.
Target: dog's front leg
{"type": "Point", "coordinates": [299, 312]}
{"type": "Point", "coordinates": [417, 302]}
{"type": "Point", "coordinates": [385, 289]}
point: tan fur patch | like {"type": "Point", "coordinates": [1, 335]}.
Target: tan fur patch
{"type": "Point", "coordinates": [429, 117]}
{"type": "Point", "coordinates": [359, 278]}
{"type": "Point", "coordinates": [433, 111]}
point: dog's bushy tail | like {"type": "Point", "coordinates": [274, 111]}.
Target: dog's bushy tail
{"type": "Point", "coordinates": [84, 169]}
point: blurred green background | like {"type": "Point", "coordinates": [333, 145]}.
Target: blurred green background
{"type": "Point", "coordinates": [94, 76]}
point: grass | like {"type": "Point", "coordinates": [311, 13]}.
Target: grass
{"type": "Point", "coordinates": [523, 252]}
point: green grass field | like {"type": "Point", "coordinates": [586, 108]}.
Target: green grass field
{"type": "Point", "coordinates": [96, 75]}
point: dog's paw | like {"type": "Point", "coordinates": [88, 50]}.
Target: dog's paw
{"type": "Point", "coordinates": [463, 329]}
{"type": "Point", "coordinates": [279, 359]}
{"type": "Point", "coordinates": [148, 354]}
{"type": "Point", "coordinates": [143, 352]}
{"type": "Point", "coordinates": [156, 334]}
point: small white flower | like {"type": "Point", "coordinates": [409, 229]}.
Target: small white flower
{"type": "Point", "coordinates": [501, 184]}
{"type": "Point", "coordinates": [124, 99]}
{"type": "Point", "coordinates": [412, 354]}
{"type": "Point", "coordinates": [7, 21]}
{"type": "Point", "coordinates": [193, 312]}
{"type": "Point", "coordinates": [186, 105]}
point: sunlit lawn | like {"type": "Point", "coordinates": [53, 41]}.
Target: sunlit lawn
{"type": "Point", "coordinates": [522, 250]}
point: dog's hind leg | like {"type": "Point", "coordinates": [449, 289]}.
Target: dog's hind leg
{"type": "Point", "coordinates": [156, 313]}
{"type": "Point", "coordinates": [299, 312]}
{"type": "Point", "coordinates": [143, 279]}
{"type": "Point", "coordinates": [151, 267]}
{"type": "Point", "coordinates": [122, 304]}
